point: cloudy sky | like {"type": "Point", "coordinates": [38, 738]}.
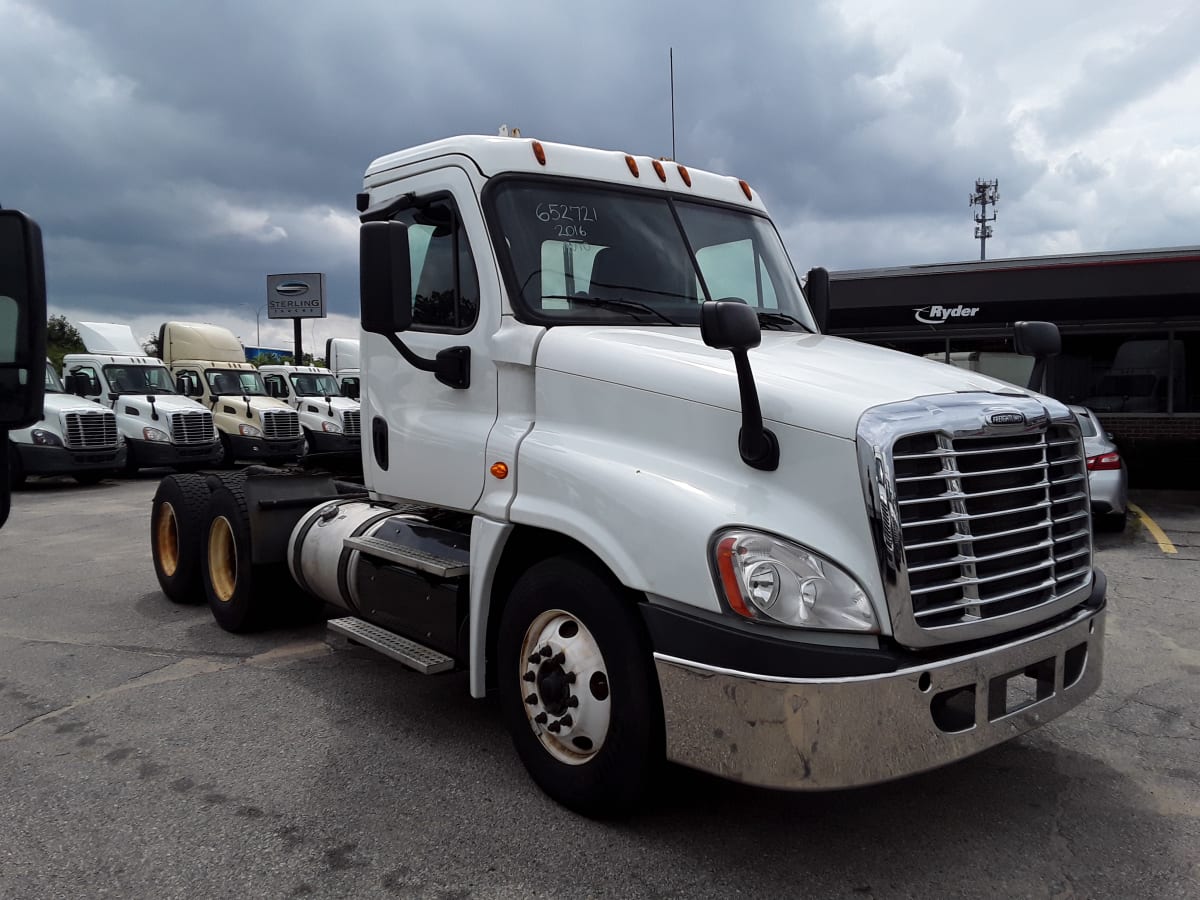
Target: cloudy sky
{"type": "Point", "coordinates": [176, 153]}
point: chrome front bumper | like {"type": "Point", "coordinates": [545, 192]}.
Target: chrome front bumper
{"type": "Point", "coordinates": [818, 734]}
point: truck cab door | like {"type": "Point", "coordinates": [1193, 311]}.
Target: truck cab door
{"type": "Point", "coordinates": [427, 439]}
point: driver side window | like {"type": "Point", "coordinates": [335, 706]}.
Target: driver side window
{"type": "Point", "coordinates": [445, 286]}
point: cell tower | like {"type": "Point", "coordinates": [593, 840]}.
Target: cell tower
{"type": "Point", "coordinates": [987, 193]}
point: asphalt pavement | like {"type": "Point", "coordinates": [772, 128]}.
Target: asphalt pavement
{"type": "Point", "coordinates": [146, 753]}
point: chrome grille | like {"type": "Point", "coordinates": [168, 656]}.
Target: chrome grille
{"type": "Point", "coordinates": [352, 423]}
{"type": "Point", "coordinates": [280, 424]}
{"type": "Point", "coordinates": [192, 427]}
{"type": "Point", "coordinates": [84, 430]}
{"type": "Point", "coordinates": [982, 528]}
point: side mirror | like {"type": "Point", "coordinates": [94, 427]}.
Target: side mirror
{"type": "Point", "coordinates": [729, 325]}
{"type": "Point", "coordinates": [732, 325]}
{"type": "Point", "coordinates": [385, 279]}
{"type": "Point", "coordinates": [350, 390]}
{"type": "Point", "coordinates": [22, 320]}
{"type": "Point", "coordinates": [1041, 340]}
{"type": "Point", "coordinates": [817, 290]}
{"type": "Point", "coordinates": [181, 385]}
{"type": "Point", "coordinates": [77, 383]}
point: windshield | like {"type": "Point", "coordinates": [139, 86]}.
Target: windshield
{"type": "Point", "coordinates": [242, 383]}
{"type": "Point", "coordinates": [583, 254]}
{"type": "Point", "coordinates": [307, 384]}
{"type": "Point", "coordinates": [139, 379]}
{"type": "Point", "coordinates": [54, 384]}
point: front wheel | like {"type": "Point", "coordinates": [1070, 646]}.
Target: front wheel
{"type": "Point", "coordinates": [577, 687]}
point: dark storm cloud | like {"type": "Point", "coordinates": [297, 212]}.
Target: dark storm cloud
{"type": "Point", "coordinates": [176, 154]}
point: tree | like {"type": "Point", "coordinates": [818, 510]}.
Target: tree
{"type": "Point", "coordinates": [152, 345]}
{"type": "Point", "coordinates": [61, 338]}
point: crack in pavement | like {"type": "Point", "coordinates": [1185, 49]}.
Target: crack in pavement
{"type": "Point", "coordinates": [124, 648]}
{"type": "Point", "coordinates": [181, 669]}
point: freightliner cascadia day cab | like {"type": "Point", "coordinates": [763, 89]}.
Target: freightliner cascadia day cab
{"type": "Point", "coordinates": [160, 427]}
{"type": "Point", "coordinates": [330, 421]}
{"type": "Point", "coordinates": [616, 473]}
{"type": "Point", "coordinates": [341, 355]}
{"type": "Point", "coordinates": [209, 364]}
{"type": "Point", "coordinates": [75, 437]}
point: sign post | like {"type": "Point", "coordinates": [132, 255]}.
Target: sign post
{"type": "Point", "coordinates": [296, 296]}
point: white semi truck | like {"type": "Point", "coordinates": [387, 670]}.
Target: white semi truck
{"type": "Point", "coordinates": [615, 472]}
{"type": "Point", "coordinates": [209, 364]}
{"type": "Point", "coordinates": [342, 357]}
{"type": "Point", "coordinates": [75, 437]}
{"type": "Point", "coordinates": [160, 427]}
{"type": "Point", "coordinates": [331, 422]}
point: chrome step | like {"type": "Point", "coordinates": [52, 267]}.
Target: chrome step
{"type": "Point", "coordinates": [416, 656]}
{"type": "Point", "coordinates": [409, 557]}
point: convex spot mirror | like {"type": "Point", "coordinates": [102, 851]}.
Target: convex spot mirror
{"type": "Point", "coordinates": [1037, 339]}
{"type": "Point", "coordinates": [22, 320]}
{"type": "Point", "coordinates": [385, 280]}
{"type": "Point", "coordinates": [729, 324]}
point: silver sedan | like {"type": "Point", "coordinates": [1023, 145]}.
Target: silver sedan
{"type": "Point", "coordinates": [1107, 477]}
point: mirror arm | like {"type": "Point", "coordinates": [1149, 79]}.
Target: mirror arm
{"type": "Point", "coordinates": [1038, 375]}
{"type": "Point", "coordinates": [452, 366]}
{"type": "Point", "coordinates": [757, 444]}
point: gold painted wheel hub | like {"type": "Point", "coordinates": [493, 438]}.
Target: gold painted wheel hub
{"type": "Point", "coordinates": [222, 559]}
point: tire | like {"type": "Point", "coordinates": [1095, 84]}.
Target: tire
{"type": "Point", "coordinates": [595, 675]}
{"type": "Point", "coordinates": [242, 595]}
{"type": "Point", "coordinates": [227, 460]}
{"type": "Point", "coordinates": [1111, 522]}
{"type": "Point", "coordinates": [178, 519]}
{"type": "Point", "coordinates": [89, 478]}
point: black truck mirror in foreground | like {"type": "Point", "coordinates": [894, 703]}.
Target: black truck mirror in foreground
{"type": "Point", "coordinates": [732, 325]}
{"type": "Point", "coordinates": [22, 332]}
{"type": "Point", "coordinates": [1041, 340]}
{"type": "Point", "coordinates": [386, 305]}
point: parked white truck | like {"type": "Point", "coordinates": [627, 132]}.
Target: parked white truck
{"type": "Point", "coordinates": [615, 472]}
{"type": "Point", "coordinates": [342, 357]}
{"type": "Point", "coordinates": [160, 427]}
{"type": "Point", "coordinates": [75, 437]}
{"type": "Point", "coordinates": [330, 421]}
{"type": "Point", "coordinates": [209, 364]}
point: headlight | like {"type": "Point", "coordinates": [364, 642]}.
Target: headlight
{"type": "Point", "coordinates": [249, 431]}
{"type": "Point", "coordinates": [331, 427]}
{"type": "Point", "coordinates": [768, 579]}
{"type": "Point", "coordinates": [155, 434]}
{"type": "Point", "coordinates": [44, 438]}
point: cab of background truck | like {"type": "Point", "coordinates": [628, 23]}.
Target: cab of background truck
{"type": "Point", "coordinates": [160, 427]}
{"type": "Point", "coordinates": [342, 357]}
{"type": "Point", "coordinates": [329, 420]}
{"type": "Point", "coordinates": [617, 350]}
{"type": "Point", "coordinates": [75, 436]}
{"type": "Point", "coordinates": [209, 365]}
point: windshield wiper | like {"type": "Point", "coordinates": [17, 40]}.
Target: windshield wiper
{"type": "Point", "coordinates": [779, 319]}
{"type": "Point", "coordinates": [619, 303]}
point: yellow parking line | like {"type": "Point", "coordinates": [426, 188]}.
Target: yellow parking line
{"type": "Point", "coordinates": [1160, 536]}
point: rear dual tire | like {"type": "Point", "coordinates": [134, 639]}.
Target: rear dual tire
{"type": "Point", "coordinates": [178, 519]}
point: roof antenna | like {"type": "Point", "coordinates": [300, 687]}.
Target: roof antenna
{"type": "Point", "coordinates": [671, 58]}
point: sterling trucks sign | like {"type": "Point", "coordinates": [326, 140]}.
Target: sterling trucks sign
{"type": "Point", "coordinates": [296, 296]}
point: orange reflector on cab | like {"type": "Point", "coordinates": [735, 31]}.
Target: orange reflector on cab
{"type": "Point", "coordinates": [659, 170]}
{"type": "Point", "coordinates": [746, 190]}
{"type": "Point", "coordinates": [632, 163]}
{"type": "Point", "coordinates": [685, 175]}
{"type": "Point", "coordinates": [499, 470]}
{"type": "Point", "coordinates": [733, 591]}
{"type": "Point", "coordinates": [539, 152]}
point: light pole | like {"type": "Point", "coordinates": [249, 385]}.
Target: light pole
{"type": "Point", "coordinates": [257, 327]}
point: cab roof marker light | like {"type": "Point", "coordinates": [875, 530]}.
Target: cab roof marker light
{"type": "Point", "coordinates": [684, 174]}
{"type": "Point", "coordinates": [745, 189]}
{"type": "Point", "coordinates": [539, 152]}
{"type": "Point", "coordinates": [633, 166]}
{"type": "Point", "coordinates": [659, 170]}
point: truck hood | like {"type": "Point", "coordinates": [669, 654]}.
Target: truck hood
{"type": "Point", "coordinates": [164, 403]}
{"type": "Point", "coordinates": [811, 381]}
{"type": "Point", "coordinates": [61, 403]}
